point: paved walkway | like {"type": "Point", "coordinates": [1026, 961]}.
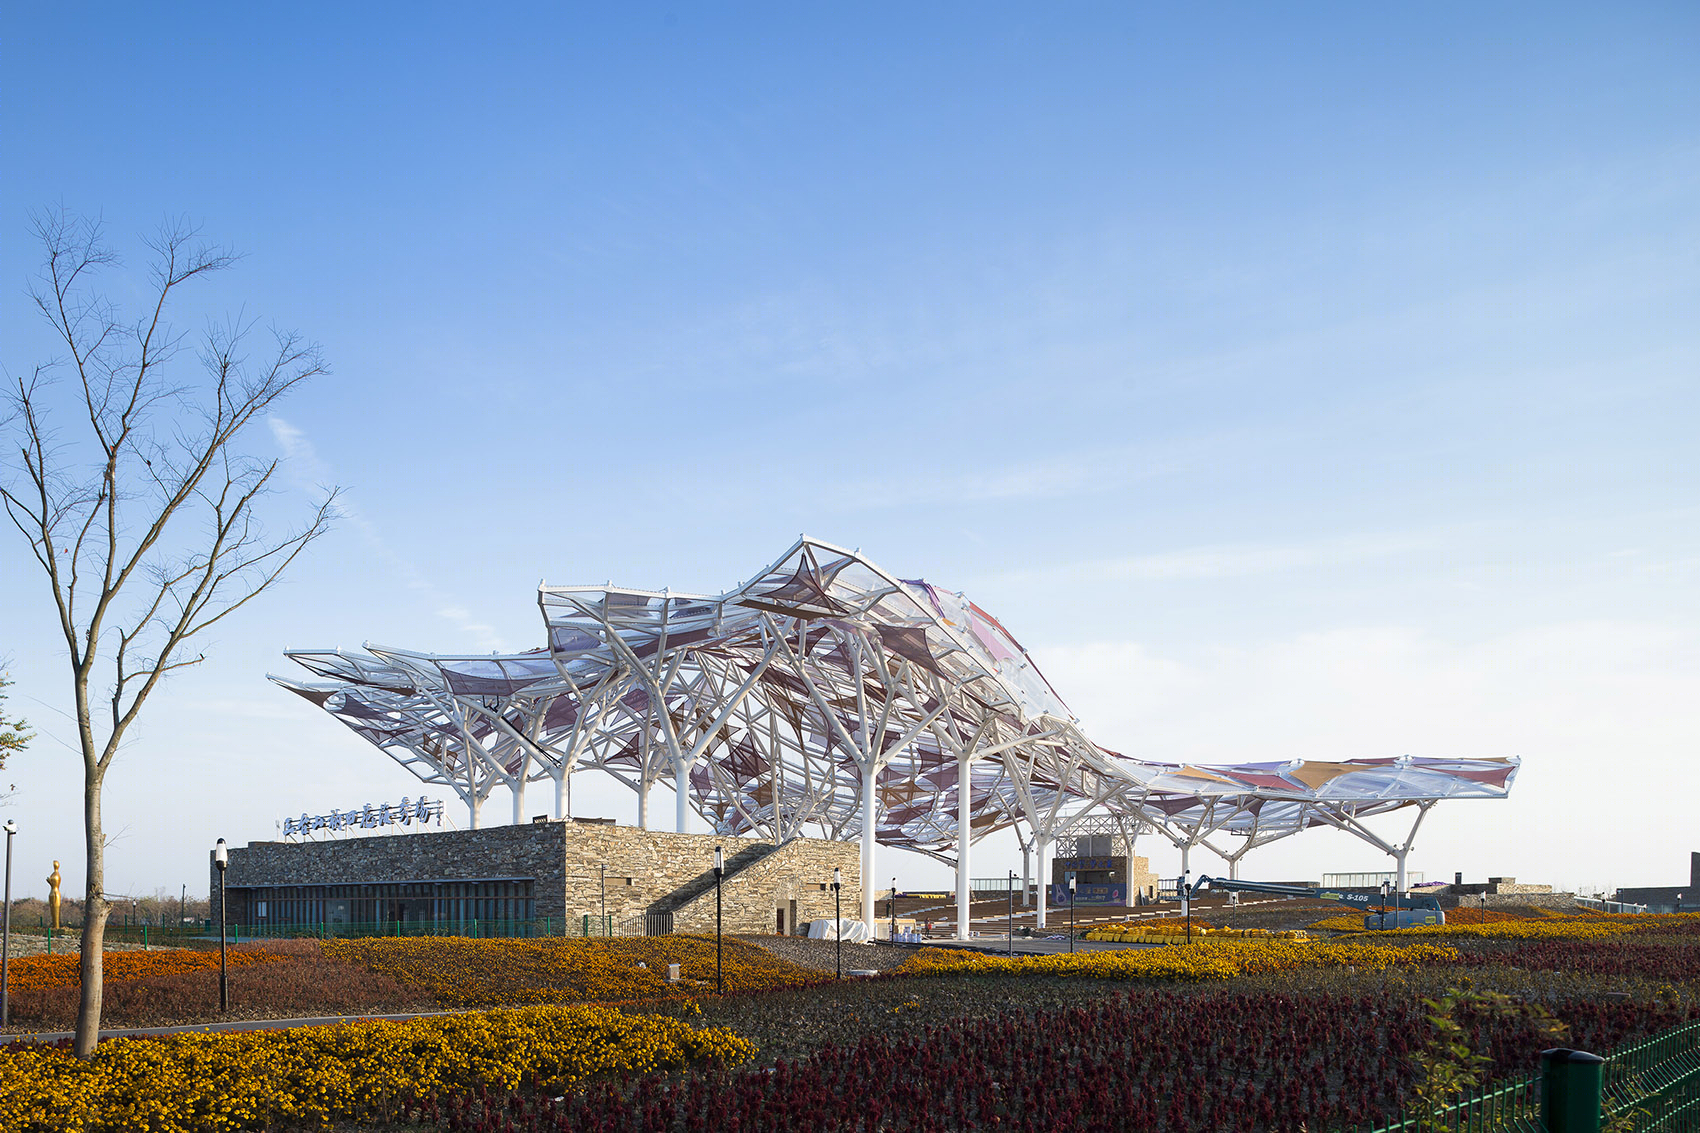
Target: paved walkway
{"type": "Point", "coordinates": [229, 1025]}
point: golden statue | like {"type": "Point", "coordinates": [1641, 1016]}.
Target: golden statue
{"type": "Point", "coordinates": [53, 896]}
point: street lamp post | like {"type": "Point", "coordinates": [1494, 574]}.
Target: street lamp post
{"type": "Point", "coordinates": [893, 910]}
{"type": "Point", "coordinates": [604, 869]}
{"type": "Point", "coordinates": [1011, 928]}
{"type": "Point", "coordinates": [1384, 887]}
{"type": "Point", "coordinates": [1071, 892]}
{"type": "Point", "coordinates": [221, 859]}
{"type": "Point", "coordinates": [719, 872]}
{"type": "Point", "coordinates": [1186, 901]}
{"type": "Point", "coordinates": [838, 915]}
{"type": "Point", "coordinates": [6, 931]}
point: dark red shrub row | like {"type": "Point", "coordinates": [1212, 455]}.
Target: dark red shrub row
{"type": "Point", "coordinates": [1619, 956]}
{"type": "Point", "coordinates": [1140, 1061]}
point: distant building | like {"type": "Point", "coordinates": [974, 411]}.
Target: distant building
{"type": "Point", "coordinates": [1668, 898]}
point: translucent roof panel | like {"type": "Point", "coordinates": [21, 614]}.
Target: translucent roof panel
{"type": "Point", "coordinates": [779, 698]}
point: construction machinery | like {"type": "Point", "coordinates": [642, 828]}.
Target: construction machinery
{"type": "Point", "coordinates": [1406, 911]}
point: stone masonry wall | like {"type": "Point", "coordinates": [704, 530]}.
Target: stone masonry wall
{"type": "Point", "coordinates": [648, 871]}
{"type": "Point", "coordinates": [800, 871]}
{"type": "Point", "coordinates": [535, 851]}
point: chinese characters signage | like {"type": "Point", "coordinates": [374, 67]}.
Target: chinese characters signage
{"type": "Point", "coordinates": [405, 813]}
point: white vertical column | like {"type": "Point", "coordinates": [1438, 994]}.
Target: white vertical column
{"type": "Point", "coordinates": [1042, 858]}
{"type": "Point", "coordinates": [964, 798]}
{"type": "Point", "coordinates": [561, 793]}
{"type": "Point", "coordinates": [868, 848]}
{"type": "Point", "coordinates": [1127, 871]}
{"type": "Point", "coordinates": [1399, 859]}
{"type": "Point", "coordinates": [682, 788]}
{"type": "Point", "coordinates": [519, 798]}
{"type": "Point", "coordinates": [474, 805]}
{"type": "Point", "coordinates": [1026, 876]}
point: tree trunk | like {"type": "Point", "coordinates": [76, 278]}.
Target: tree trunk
{"type": "Point", "coordinates": [94, 914]}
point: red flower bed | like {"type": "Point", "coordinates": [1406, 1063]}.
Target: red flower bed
{"type": "Point", "coordinates": [1140, 1061]}
{"type": "Point", "coordinates": [1616, 956]}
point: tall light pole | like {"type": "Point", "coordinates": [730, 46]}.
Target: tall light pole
{"type": "Point", "coordinates": [1071, 891]}
{"type": "Point", "coordinates": [221, 859]}
{"type": "Point", "coordinates": [893, 910]}
{"type": "Point", "coordinates": [838, 915]}
{"type": "Point", "coordinates": [604, 869]}
{"type": "Point", "coordinates": [1384, 888]}
{"type": "Point", "coordinates": [1186, 901]}
{"type": "Point", "coordinates": [719, 872]}
{"type": "Point", "coordinates": [1011, 928]}
{"type": "Point", "coordinates": [6, 931]}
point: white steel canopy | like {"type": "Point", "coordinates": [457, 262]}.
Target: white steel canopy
{"type": "Point", "coordinates": [829, 695]}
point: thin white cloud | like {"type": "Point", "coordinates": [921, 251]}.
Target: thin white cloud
{"type": "Point", "coordinates": [1072, 473]}
{"type": "Point", "coordinates": [1221, 560]}
{"type": "Point", "coordinates": [305, 468]}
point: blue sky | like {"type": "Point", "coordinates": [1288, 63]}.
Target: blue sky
{"type": "Point", "coordinates": [1314, 382]}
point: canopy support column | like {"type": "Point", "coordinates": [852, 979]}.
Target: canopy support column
{"type": "Point", "coordinates": [1026, 876]}
{"type": "Point", "coordinates": [682, 791]}
{"type": "Point", "coordinates": [964, 798]}
{"type": "Point", "coordinates": [1186, 878]}
{"type": "Point", "coordinates": [1043, 856]}
{"type": "Point", "coordinates": [868, 848]}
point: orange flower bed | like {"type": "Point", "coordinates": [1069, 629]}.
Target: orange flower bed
{"type": "Point", "coordinates": [40, 973]}
{"type": "Point", "coordinates": [463, 972]}
{"type": "Point", "coordinates": [1482, 916]}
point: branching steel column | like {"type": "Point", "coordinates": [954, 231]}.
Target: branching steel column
{"type": "Point", "coordinates": [964, 836]}
{"type": "Point", "coordinates": [868, 777]}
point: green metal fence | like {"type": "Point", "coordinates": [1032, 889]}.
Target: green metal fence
{"type": "Point", "coordinates": [1651, 1087]}
{"type": "Point", "coordinates": [1654, 1086]}
{"type": "Point", "coordinates": [1512, 1107]}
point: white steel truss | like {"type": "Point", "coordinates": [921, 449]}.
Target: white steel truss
{"type": "Point", "coordinates": [828, 695]}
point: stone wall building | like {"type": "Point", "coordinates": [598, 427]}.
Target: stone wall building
{"type": "Point", "coordinates": [563, 872]}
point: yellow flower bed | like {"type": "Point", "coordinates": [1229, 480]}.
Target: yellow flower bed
{"type": "Point", "coordinates": [203, 1083]}
{"type": "Point", "coordinates": [1586, 927]}
{"type": "Point", "coordinates": [1208, 959]}
{"type": "Point", "coordinates": [1134, 933]}
{"type": "Point", "coordinates": [463, 972]}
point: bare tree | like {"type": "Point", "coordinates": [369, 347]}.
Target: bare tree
{"type": "Point", "coordinates": [135, 498]}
